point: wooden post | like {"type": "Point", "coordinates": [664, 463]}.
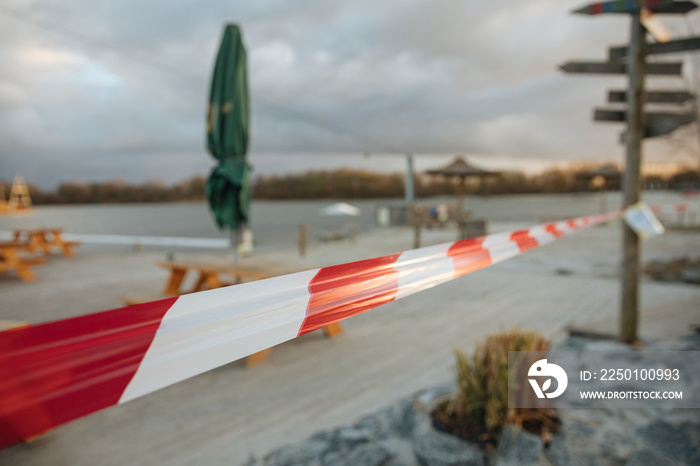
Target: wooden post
{"type": "Point", "coordinates": [257, 358]}
{"type": "Point", "coordinates": [416, 234]}
{"type": "Point", "coordinates": [302, 239]}
{"type": "Point", "coordinates": [460, 198]}
{"type": "Point", "coordinates": [409, 189]}
{"type": "Point", "coordinates": [629, 320]}
{"type": "Point", "coordinates": [235, 239]}
{"type": "Point", "coordinates": [333, 330]}
{"type": "Point", "coordinates": [353, 229]}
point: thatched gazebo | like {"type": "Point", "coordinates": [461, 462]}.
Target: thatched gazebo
{"type": "Point", "coordinates": [460, 169]}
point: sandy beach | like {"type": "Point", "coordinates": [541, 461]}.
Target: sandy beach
{"type": "Point", "coordinates": [314, 383]}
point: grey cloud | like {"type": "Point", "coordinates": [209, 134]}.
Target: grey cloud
{"type": "Point", "coordinates": [432, 77]}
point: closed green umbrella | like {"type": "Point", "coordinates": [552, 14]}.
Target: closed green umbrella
{"type": "Point", "coordinates": [228, 187]}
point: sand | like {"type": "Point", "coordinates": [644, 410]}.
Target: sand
{"type": "Point", "coordinates": [313, 383]}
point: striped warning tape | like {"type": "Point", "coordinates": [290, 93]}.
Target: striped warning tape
{"type": "Point", "coordinates": [673, 208]}
{"type": "Point", "coordinates": [53, 373]}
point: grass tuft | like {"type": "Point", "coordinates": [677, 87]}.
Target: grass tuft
{"type": "Point", "coordinates": [479, 408]}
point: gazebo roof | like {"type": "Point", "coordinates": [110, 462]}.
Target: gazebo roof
{"type": "Point", "coordinates": [460, 168]}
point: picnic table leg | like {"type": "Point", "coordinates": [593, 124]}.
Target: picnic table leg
{"type": "Point", "coordinates": [67, 251]}
{"type": "Point", "coordinates": [40, 242]}
{"type": "Point", "coordinates": [59, 243]}
{"type": "Point", "coordinates": [199, 286]}
{"type": "Point", "coordinates": [333, 329]}
{"type": "Point", "coordinates": [25, 273]}
{"type": "Point", "coordinates": [213, 281]}
{"type": "Point", "coordinates": [31, 245]}
{"type": "Point", "coordinates": [46, 247]}
{"type": "Point", "coordinates": [172, 288]}
{"type": "Point", "coordinates": [66, 247]}
{"type": "Point", "coordinates": [13, 261]}
{"type": "Point", "coordinates": [257, 358]}
{"type": "Point", "coordinates": [210, 279]}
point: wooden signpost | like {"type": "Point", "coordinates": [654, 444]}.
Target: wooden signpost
{"type": "Point", "coordinates": [630, 6]}
{"type": "Point", "coordinates": [657, 123]}
{"type": "Point", "coordinates": [611, 67]}
{"type": "Point", "coordinates": [654, 97]}
{"type": "Point", "coordinates": [651, 117]}
{"type": "Point", "coordinates": [639, 123]}
{"type": "Point", "coordinates": [672, 46]}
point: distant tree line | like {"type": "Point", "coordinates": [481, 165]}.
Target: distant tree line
{"type": "Point", "coordinates": [346, 184]}
{"type": "Point", "coordinates": [354, 184]}
{"type": "Point", "coordinates": [117, 191]}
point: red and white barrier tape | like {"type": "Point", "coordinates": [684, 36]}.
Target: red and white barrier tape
{"type": "Point", "coordinates": [674, 208]}
{"type": "Point", "coordinates": [53, 373]}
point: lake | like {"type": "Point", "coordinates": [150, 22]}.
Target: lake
{"type": "Point", "coordinates": [276, 223]}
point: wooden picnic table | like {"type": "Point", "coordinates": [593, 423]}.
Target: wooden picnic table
{"type": "Point", "coordinates": [44, 240]}
{"type": "Point", "coordinates": [12, 259]}
{"type": "Point", "coordinates": [215, 274]}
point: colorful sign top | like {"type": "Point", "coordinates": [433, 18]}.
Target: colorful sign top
{"type": "Point", "coordinates": [631, 6]}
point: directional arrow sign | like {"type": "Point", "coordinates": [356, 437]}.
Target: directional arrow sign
{"type": "Point", "coordinates": [657, 123]}
{"type": "Point", "coordinates": [658, 128]}
{"type": "Point", "coordinates": [654, 97]}
{"type": "Point", "coordinates": [665, 124]}
{"type": "Point", "coordinates": [630, 6]}
{"type": "Point", "coordinates": [600, 114]}
{"type": "Point", "coordinates": [656, 118]}
{"type": "Point", "coordinates": [673, 69]}
{"type": "Point", "coordinates": [681, 45]}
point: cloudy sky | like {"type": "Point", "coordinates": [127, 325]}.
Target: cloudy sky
{"type": "Point", "coordinates": [117, 89]}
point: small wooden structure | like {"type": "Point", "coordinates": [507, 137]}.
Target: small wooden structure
{"type": "Point", "coordinates": [460, 169]}
{"type": "Point", "coordinates": [19, 201]}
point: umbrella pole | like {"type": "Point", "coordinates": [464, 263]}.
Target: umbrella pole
{"type": "Point", "coordinates": [235, 237]}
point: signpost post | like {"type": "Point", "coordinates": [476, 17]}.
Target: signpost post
{"type": "Point", "coordinates": [639, 123]}
{"type": "Point", "coordinates": [631, 181]}
{"type": "Point", "coordinates": [629, 6]}
{"type": "Point", "coordinates": [409, 189]}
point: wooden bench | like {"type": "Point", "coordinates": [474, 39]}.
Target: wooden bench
{"type": "Point", "coordinates": [215, 274]}
{"type": "Point", "coordinates": [44, 240]}
{"type": "Point", "coordinates": [12, 259]}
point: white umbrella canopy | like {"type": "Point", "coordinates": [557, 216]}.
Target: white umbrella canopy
{"type": "Point", "coordinates": [340, 209]}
